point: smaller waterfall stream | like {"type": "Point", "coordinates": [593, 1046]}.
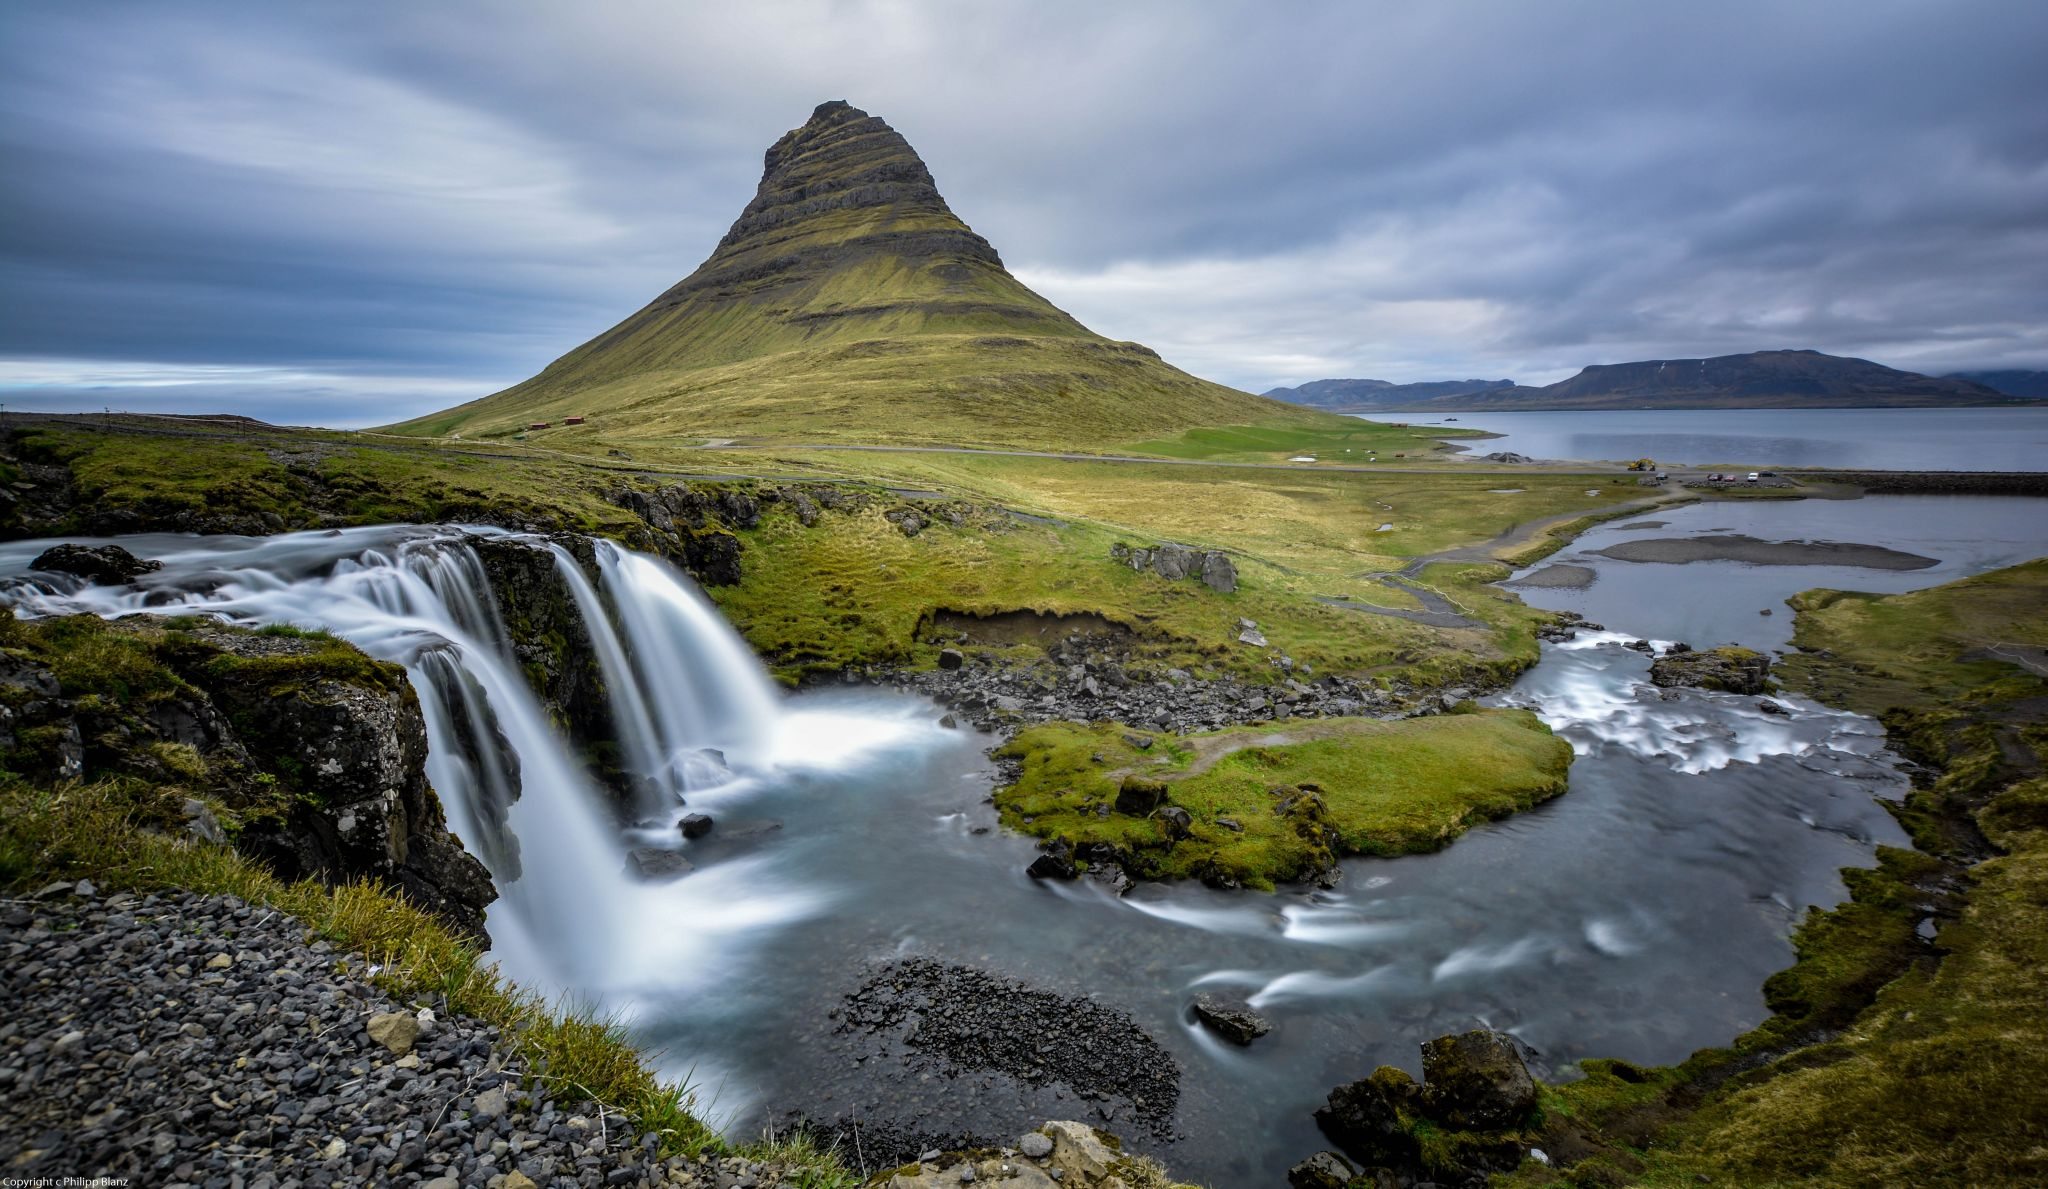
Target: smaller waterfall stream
{"type": "Point", "coordinates": [681, 687]}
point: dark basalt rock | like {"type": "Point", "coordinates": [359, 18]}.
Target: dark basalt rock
{"type": "Point", "coordinates": [1175, 822]}
{"type": "Point", "coordinates": [106, 565]}
{"type": "Point", "coordinates": [319, 751]}
{"type": "Point", "coordinates": [1476, 1081]}
{"type": "Point", "coordinates": [695, 825]}
{"type": "Point", "coordinates": [1232, 1019]}
{"type": "Point", "coordinates": [1324, 1170]}
{"type": "Point", "coordinates": [1367, 1119]}
{"type": "Point", "coordinates": [1056, 863]}
{"type": "Point", "coordinates": [1730, 670]}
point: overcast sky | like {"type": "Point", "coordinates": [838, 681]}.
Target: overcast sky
{"type": "Point", "coordinates": [348, 213]}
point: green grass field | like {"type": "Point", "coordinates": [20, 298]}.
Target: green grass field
{"type": "Point", "coordinates": [1276, 803]}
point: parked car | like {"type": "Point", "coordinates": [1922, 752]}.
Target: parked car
{"type": "Point", "coordinates": [1753, 476]}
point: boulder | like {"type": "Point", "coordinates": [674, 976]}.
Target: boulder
{"type": "Point", "coordinates": [1055, 863]}
{"type": "Point", "coordinates": [951, 658]}
{"type": "Point", "coordinates": [1175, 561]}
{"type": "Point", "coordinates": [1476, 1081]}
{"type": "Point", "coordinates": [1219, 573]}
{"type": "Point", "coordinates": [695, 825]}
{"type": "Point", "coordinates": [1730, 670]}
{"type": "Point", "coordinates": [1324, 1170]}
{"type": "Point", "coordinates": [1365, 1119]}
{"type": "Point", "coordinates": [1139, 796]}
{"type": "Point", "coordinates": [106, 565]}
{"type": "Point", "coordinates": [1176, 822]}
{"type": "Point", "coordinates": [1232, 1019]}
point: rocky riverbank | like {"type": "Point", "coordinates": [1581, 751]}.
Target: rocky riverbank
{"type": "Point", "coordinates": [197, 1040]}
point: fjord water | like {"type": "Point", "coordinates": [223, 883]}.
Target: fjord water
{"type": "Point", "coordinates": [1842, 439]}
{"type": "Point", "coordinates": [1635, 917]}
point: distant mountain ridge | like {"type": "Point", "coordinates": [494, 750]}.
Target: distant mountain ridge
{"type": "Point", "coordinates": [2012, 382]}
{"type": "Point", "coordinates": [848, 302]}
{"type": "Point", "coordinates": [1350, 396]}
{"type": "Point", "coordinates": [1792, 379]}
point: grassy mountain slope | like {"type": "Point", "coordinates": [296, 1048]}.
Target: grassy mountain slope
{"type": "Point", "coordinates": [849, 303]}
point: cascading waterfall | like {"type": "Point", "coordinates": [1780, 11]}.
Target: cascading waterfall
{"type": "Point", "coordinates": [680, 682]}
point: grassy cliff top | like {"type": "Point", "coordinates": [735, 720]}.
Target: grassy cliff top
{"type": "Point", "coordinates": [849, 303]}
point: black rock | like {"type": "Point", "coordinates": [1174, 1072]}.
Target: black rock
{"type": "Point", "coordinates": [1176, 822]}
{"type": "Point", "coordinates": [1232, 1019]}
{"type": "Point", "coordinates": [1324, 1170]}
{"type": "Point", "coordinates": [107, 565]}
{"type": "Point", "coordinates": [1364, 1119]}
{"type": "Point", "coordinates": [695, 825]}
{"type": "Point", "coordinates": [951, 658]}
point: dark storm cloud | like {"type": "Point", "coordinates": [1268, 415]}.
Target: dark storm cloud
{"type": "Point", "coordinates": [345, 213]}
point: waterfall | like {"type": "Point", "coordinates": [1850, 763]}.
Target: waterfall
{"type": "Point", "coordinates": [680, 683]}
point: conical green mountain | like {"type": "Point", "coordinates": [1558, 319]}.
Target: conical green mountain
{"type": "Point", "coordinates": [849, 303]}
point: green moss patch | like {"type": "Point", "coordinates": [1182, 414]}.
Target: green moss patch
{"type": "Point", "coordinates": [1278, 803]}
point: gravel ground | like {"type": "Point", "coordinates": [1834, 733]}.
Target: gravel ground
{"type": "Point", "coordinates": [196, 1040]}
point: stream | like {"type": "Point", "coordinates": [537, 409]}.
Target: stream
{"type": "Point", "coordinates": [1635, 917]}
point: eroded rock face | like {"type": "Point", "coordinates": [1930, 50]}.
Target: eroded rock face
{"type": "Point", "coordinates": [107, 565]}
{"type": "Point", "coordinates": [317, 752]}
{"type": "Point", "coordinates": [1730, 670]}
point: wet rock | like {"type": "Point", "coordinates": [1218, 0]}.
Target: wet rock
{"type": "Point", "coordinates": [656, 863]}
{"type": "Point", "coordinates": [1056, 863]}
{"type": "Point", "coordinates": [106, 565]}
{"type": "Point", "coordinates": [1139, 796]}
{"type": "Point", "coordinates": [1730, 670]}
{"type": "Point", "coordinates": [951, 658]}
{"type": "Point", "coordinates": [1770, 707]}
{"type": "Point", "coordinates": [695, 825]}
{"type": "Point", "coordinates": [1324, 1170]}
{"type": "Point", "coordinates": [1232, 1019]}
{"type": "Point", "coordinates": [1366, 1119]}
{"type": "Point", "coordinates": [1476, 1081]}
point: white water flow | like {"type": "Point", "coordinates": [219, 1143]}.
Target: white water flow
{"type": "Point", "coordinates": [513, 790]}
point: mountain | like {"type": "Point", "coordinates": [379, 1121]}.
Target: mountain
{"type": "Point", "coordinates": [2012, 383]}
{"type": "Point", "coordinates": [848, 302]}
{"type": "Point", "coordinates": [1358, 396]}
{"type": "Point", "coordinates": [1758, 380]}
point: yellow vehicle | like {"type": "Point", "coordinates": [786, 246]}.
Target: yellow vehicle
{"type": "Point", "coordinates": [1643, 464]}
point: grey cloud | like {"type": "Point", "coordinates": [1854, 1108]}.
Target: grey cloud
{"type": "Point", "coordinates": [384, 193]}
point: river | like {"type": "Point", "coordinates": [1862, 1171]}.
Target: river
{"type": "Point", "coordinates": [1636, 916]}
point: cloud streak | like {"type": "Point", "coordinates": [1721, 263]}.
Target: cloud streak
{"type": "Point", "coordinates": [363, 212]}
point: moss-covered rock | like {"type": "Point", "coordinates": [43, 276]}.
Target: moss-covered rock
{"type": "Point", "coordinates": [1730, 670]}
{"type": "Point", "coordinates": [313, 754]}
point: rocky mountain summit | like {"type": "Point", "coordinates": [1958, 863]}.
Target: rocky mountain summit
{"type": "Point", "coordinates": [848, 297]}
